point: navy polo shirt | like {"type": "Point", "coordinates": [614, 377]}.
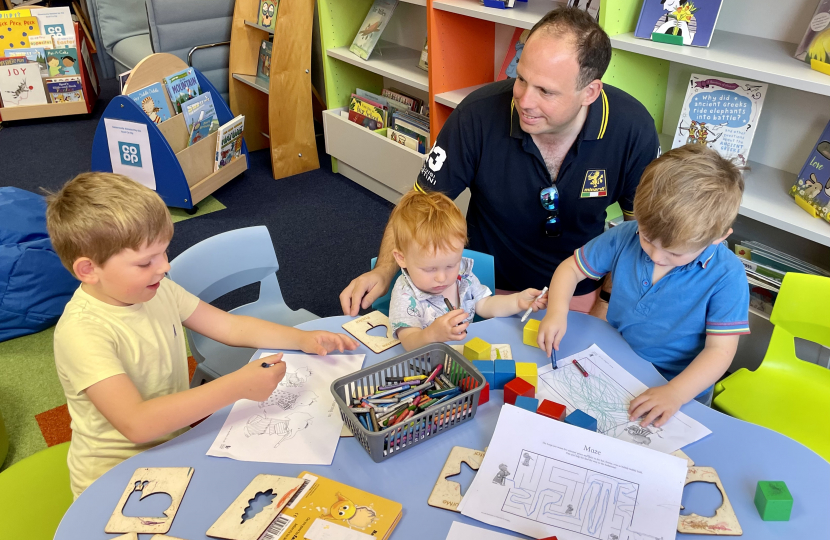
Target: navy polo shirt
{"type": "Point", "coordinates": [667, 323]}
{"type": "Point", "coordinates": [483, 147]}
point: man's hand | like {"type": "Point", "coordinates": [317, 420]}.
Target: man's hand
{"type": "Point", "coordinates": [255, 382]}
{"type": "Point", "coordinates": [527, 298]}
{"type": "Point", "coordinates": [551, 331]}
{"type": "Point", "coordinates": [657, 404]}
{"type": "Point", "coordinates": [449, 327]}
{"type": "Point", "coordinates": [322, 343]}
{"type": "Point", "coordinates": [362, 291]}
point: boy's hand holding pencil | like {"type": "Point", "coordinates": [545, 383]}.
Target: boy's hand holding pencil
{"type": "Point", "coordinates": [552, 329]}
{"type": "Point", "coordinates": [255, 383]}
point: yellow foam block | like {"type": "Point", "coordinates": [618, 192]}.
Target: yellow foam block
{"type": "Point", "coordinates": [528, 372]}
{"type": "Point", "coordinates": [477, 349]}
{"type": "Point", "coordinates": [531, 332]}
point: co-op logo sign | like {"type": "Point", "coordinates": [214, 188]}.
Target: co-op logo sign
{"type": "Point", "coordinates": [130, 154]}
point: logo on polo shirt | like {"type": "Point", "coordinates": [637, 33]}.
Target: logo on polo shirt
{"type": "Point", "coordinates": [595, 184]}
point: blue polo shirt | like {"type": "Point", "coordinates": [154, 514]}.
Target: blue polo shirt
{"type": "Point", "coordinates": [667, 323]}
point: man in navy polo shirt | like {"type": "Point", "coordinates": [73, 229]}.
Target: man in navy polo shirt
{"type": "Point", "coordinates": [544, 155]}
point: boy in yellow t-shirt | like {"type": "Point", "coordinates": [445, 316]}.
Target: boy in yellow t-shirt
{"type": "Point", "coordinates": [119, 345]}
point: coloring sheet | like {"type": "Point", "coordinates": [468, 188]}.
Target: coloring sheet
{"type": "Point", "coordinates": [605, 395]}
{"type": "Point", "coordinates": [299, 423]}
{"type": "Point", "coordinates": [462, 531]}
{"type": "Point", "coordinates": [542, 477]}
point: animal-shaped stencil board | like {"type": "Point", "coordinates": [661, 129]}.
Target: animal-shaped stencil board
{"type": "Point", "coordinates": [360, 326]}
{"type": "Point", "coordinates": [231, 525]}
{"type": "Point", "coordinates": [446, 493]}
{"type": "Point", "coordinates": [723, 523]}
{"type": "Point", "coordinates": [170, 480]}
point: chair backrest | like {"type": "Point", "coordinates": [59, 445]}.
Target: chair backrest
{"type": "Point", "coordinates": [113, 21]}
{"type": "Point", "coordinates": [483, 268]}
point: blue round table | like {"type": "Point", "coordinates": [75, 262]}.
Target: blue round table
{"type": "Point", "coordinates": [742, 454]}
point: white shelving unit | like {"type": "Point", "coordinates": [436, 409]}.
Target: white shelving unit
{"type": "Point", "coordinates": [453, 98]}
{"type": "Point", "coordinates": [389, 60]}
{"type": "Point", "coordinates": [522, 15]}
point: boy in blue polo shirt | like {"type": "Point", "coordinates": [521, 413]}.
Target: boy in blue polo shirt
{"type": "Point", "coordinates": [680, 297]}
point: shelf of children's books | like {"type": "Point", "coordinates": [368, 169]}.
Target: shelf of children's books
{"type": "Point", "coordinates": [259, 27]}
{"type": "Point", "coordinates": [738, 55]}
{"type": "Point", "coordinates": [521, 15]}
{"type": "Point", "coordinates": [250, 80]}
{"type": "Point", "coordinates": [45, 110]}
{"type": "Point", "coordinates": [454, 97]}
{"type": "Point", "coordinates": [389, 60]}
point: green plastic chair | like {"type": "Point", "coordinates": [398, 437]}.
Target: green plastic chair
{"type": "Point", "coordinates": [786, 394]}
{"type": "Point", "coordinates": [35, 494]}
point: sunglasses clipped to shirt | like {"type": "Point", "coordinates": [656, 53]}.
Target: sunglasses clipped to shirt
{"type": "Point", "coordinates": [549, 197]}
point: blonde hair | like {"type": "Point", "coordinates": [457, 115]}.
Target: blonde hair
{"type": "Point", "coordinates": [431, 220]}
{"type": "Point", "coordinates": [97, 215]}
{"type": "Point", "coordinates": [688, 197]}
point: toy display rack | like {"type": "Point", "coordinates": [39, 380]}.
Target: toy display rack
{"type": "Point", "coordinates": [184, 174]}
{"type": "Point", "coordinates": [84, 66]}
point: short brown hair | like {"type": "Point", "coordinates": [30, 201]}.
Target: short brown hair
{"type": "Point", "coordinates": [593, 47]}
{"type": "Point", "coordinates": [688, 197]}
{"type": "Point", "coordinates": [429, 219]}
{"type": "Point", "coordinates": [97, 215]}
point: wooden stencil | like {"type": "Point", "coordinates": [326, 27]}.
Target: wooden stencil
{"type": "Point", "coordinates": [134, 536]}
{"type": "Point", "coordinates": [159, 537]}
{"type": "Point", "coordinates": [446, 493]}
{"type": "Point", "coordinates": [230, 525]}
{"type": "Point", "coordinates": [170, 480]}
{"type": "Point", "coordinates": [361, 325]}
{"type": "Point", "coordinates": [682, 454]}
{"type": "Point", "coordinates": [723, 523]}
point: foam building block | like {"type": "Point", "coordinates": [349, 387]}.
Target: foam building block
{"type": "Point", "coordinates": [477, 349]}
{"type": "Point", "coordinates": [484, 395]}
{"type": "Point", "coordinates": [551, 409]}
{"type": "Point", "coordinates": [505, 371]}
{"type": "Point", "coordinates": [516, 388]}
{"type": "Point", "coordinates": [530, 333]}
{"type": "Point", "coordinates": [527, 403]}
{"type": "Point", "coordinates": [528, 372]}
{"type": "Point", "coordinates": [581, 419]}
{"type": "Point", "coordinates": [773, 501]}
{"type": "Point", "coordinates": [488, 369]}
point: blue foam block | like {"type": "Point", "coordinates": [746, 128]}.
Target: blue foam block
{"type": "Point", "coordinates": [581, 419]}
{"type": "Point", "coordinates": [527, 403]}
{"type": "Point", "coordinates": [505, 371]}
{"type": "Point", "coordinates": [488, 369]}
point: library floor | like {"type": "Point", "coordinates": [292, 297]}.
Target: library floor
{"type": "Point", "coordinates": [325, 230]}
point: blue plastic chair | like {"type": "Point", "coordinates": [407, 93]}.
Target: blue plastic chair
{"type": "Point", "coordinates": [483, 268]}
{"type": "Point", "coordinates": [219, 265]}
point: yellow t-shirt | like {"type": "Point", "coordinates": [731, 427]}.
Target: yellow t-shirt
{"type": "Point", "coordinates": [94, 341]}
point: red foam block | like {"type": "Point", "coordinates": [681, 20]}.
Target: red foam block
{"type": "Point", "coordinates": [552, 409]}
{"type": "Point", "coordinates": [484, 395]}
{"type": "Point", "coordinates": [518, 387]}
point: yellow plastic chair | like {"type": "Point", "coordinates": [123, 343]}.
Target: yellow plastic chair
{"type": "Point", "coordinates": [786, 394]}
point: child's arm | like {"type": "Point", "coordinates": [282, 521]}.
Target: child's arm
{"type": "Point", "coordinates": [505, 305]}
{"type": "Point", "coordinates": [143, 421]}
{"type": "Point", "coordinates": [448, 327]}
{"type": "Point", "coordinates": [562, 286]}
{"type": "Point", "coordinates": [243, 331]}
{"type": "Point", "coordinates": [658, 404]}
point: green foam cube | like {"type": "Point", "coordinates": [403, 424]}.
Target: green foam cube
{"type": "Point", "coordinates": [773, 501]}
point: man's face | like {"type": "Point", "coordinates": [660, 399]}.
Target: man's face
{"type": "Point", "coordinates": [545, 93]}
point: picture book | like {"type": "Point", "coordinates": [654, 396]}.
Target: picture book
{"type": "Point", "coordinates": [812, 186]}
{"type": "Point", "coordinates": [62, 61]}
{"type": "Point", "coordinates": [514, 52]}
{"type": "Point", "coordinates": [64, 42]}
{"type": "Point", "coordinates": [55, 21]}
{"type": "Point", "coordinates": [20, 84]}
{"type": "Point", "coordinates": [122, 79]}
{"type": "Point", "coordinates": [152, 101]}
{"type": "Point", "coordinates": [589, 6]}
{"type": "Point", "coordinates": [16, 31]}
{"type": "Point", "coordinates": [423, 62]}
{"type": "Point", "coordinates": [267, 16]}
{"type": "Point", "coordinates": [371, 29]}
{"type": "Point", "coordinates": [44, 42]}
{"type": "Point", "coordinates": [32, 54]}
{"type": "Point", "coordinates": [402, 139]}
{"type": "Point", "coordinates": [369, 109]}
{"type": "Point", "coordinates": [200, 117]}
{"type": "Point", "coordinates": [229, 142]}
{"type": "Point", "coordinates": [322, 507]}
{"type": "Point", "coordinates": [365, 121]}
{"type": "Point", "coordinates": [65, 89]}
{"type": "Point", "coordinates": [13, 14]}
{"type": "Point", "coordinates": [263, 65]}
{"type": "Point", "coordinates": [12, 60]}
{"type": "Point", "coordinates": [812, 44]}
{"type": "Point", "coordinates": [693, 21]}
{"type": "Point", "coordinates": [372, 97]}
{"type": "Point", "coordinates": [412, 102]}
{"type": "Point", "coordinates": [722, 114]}
{"type": "Point", "coordinates": [181, 87]}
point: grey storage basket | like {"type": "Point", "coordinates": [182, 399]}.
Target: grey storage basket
{"type": "Point", "coordinates": [382, 445]}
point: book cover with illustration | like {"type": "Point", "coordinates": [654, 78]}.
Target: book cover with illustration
{"type": "Point", "coordinates": [45, 42]}
{"type": "Point", "coordinates": [36, 55]}
{"type": "Point", "coordinates": [65, 89]}
{"type": "Point", "coordinates": [722, 114]}
{"type": "Point", "coordinates": [229, 142]}
{"type": "Point", "coordinates": [693, 20]}
{"type": "Point", "coordinates": [20, 85]}
{"type": "Point", "coordinates": [423, 61]}
{"type": "Point", "coordinates": [267, 15]}
{"type": "Point", "coordinates": [369, 109]}
{"type": "Point", "coordinates": [12, 60]}
{"type": "Point", "coordinates": [16, 31]}
{"type": "Point", "coordinates": [263, 64]}
{"type": "Point", "coordinates": [152, 101]}
{"type": "Point", "coordinates": [62, 61]}
{"type": "Point", "coordinates": [371, 29]}
{"type": "Point", "coordinates": [200, 117]}
{"type": "Point", "coordinates": [64, 42]}
{"type": "Point", "coordinates": [181, 87]}
{"type": "Point", "coordinates": [812, 186]}
{"type": "Point", "coordinates": [323, 508]}
{"type": "Point", "coordinates": [815, 45]}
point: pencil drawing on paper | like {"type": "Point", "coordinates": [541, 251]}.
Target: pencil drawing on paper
{"type": "Point", "coordinates": [296, 378]}
{"type": "Point", "coordinates": [286, 427]}
{"type": "Point", "coordinates": [286, 400]}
